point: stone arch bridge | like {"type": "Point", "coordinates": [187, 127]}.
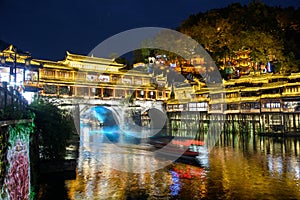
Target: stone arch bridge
{"type": "Point", "coordinates": [118, 107]}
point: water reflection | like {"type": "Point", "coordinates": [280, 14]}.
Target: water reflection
{"type": "Point", "coordinates": [238, 167]}
{"type": "Point", "coordinates": [251, 166]}
{"type": "Point", "coordinates": [114, 149]}
{"type": "Point", "coordinates": [98, 178]}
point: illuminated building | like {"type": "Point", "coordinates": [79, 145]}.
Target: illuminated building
{"type": "Point", "coordinates": [269, 101]}
{"type": "Point", "coordinates": [242, 60]}
{"type": "Point", "coordinates": [83, 77]}
{"type": "Point", "coordinates": [18, 68]}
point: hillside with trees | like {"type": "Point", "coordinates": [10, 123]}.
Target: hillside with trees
{"type": "Point", "coordinates": [269, 34]}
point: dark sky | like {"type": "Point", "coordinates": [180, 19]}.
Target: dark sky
{"type": "Point", "coordinates": [47, 28]}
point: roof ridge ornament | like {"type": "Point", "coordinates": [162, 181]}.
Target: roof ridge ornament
{"type": "Point", "coordinates": [10, 49]}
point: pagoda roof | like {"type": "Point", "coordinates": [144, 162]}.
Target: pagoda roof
{"type": "Point", "coordinates": [273, 85]}
{"type": "Point", "coordinates": [261, 78]}
{"type": "Point", "coordinates": [249, 99]}
{"type": "Point", "coordinates": [294, 75]}
{"type": "Point", "coordinates": [292, 84]}
{"type": "Point", "coordinates": [21, 57]}
{"type": "Point", "coordinates": [234, 89]}
{"type": "Point", "coordinates": [10, 49]}
{"type": "Point", "coordinates": [251, 89]}
{"type": "Point", "coordinates": [91, 59]}
{"type": "Point", "coordinates": [178, 101]}
{"type": "Point", "coordinates": [52, 64]}
{"type": "Point", "coordinates": [203, 90]}
{"type": "Point", "coordinates": [242, 51]}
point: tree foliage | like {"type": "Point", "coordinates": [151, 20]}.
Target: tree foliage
{"type": "Point", "coordinates": [271, 33]}
{"type": "Point", "coordinates": [54, 126]}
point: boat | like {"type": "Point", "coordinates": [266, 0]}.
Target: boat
{"type": "Point", "coordinates": [175, 153]}
{"type": "Point", "coordinates": [177, 150]}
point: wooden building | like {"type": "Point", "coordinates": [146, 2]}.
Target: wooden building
{"type": "Point", "coordinates": [79, 76]}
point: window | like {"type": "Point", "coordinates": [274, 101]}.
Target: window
{"type": "Point", "coordinates": [63, 74]}
{"type": "Point", "coordinates": [127, 81]}
{"type": "Point", "coordinates": [272, 105]}
{"type": "Point", "coordinates": [82, 91]}
{"type": "Point", "coordinates": [215, 106]}
{"type": "Point", "coordinates": [170, 107]}
{"type": "Point", "coordinates": [81, 75]}
{"type": "Point", "coordinates": [200, 106]}
{"type": "Point", "coordinates": [50, 89]}
{"type": "Point", "coordinates": [48, 73]}
{"type": "Point", "coordinates": [232, 106]}
{"type": "Point", "coordinates": [138, 81]}
{"type": "Point", "coordinates": [64, 90]}
{"type": "Point", "coordinates": [119, 93]}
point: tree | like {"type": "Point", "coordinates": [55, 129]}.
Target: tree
{"type": "Point", "coordinates": [121, 60]}
{"type": "Point", "coordinates": [271, 33]}
{"type": "Point", "coordinates": [54, 126]}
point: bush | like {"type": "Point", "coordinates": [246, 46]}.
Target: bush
{"type": "Point", "coordinates": [54, 126]}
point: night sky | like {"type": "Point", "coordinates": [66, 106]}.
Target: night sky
{"type": "Point", "coordinates": [48, 28]}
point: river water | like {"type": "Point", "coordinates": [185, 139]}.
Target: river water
{"type": "Point", "coordinates": [237, 167]}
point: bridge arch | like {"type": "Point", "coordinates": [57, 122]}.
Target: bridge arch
{"type": "Point", "coordinates": [130, 118]}
{"type": "Point", "coordinates": [115, 111]}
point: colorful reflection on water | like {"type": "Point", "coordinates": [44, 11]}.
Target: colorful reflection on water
{"type": "Point", "coordinates": [238, 167]}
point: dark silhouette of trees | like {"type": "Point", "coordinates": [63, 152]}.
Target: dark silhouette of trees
{"type": "Point", "coordinates": [270, 33]}
{"type": "Point", "coordinates": [54, 127]}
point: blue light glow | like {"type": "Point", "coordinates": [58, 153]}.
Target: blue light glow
{"type": "Point", "coordinates": [175, 187]}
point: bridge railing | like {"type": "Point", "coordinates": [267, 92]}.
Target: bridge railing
{"type": "Point", "coordinates": [11, 97]}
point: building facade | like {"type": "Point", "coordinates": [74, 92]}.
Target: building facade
{"type": "Point", "coordinates": [79, 76]}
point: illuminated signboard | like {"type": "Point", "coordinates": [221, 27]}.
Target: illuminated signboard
{"type": "Point", "coordinates": [104, 78]}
